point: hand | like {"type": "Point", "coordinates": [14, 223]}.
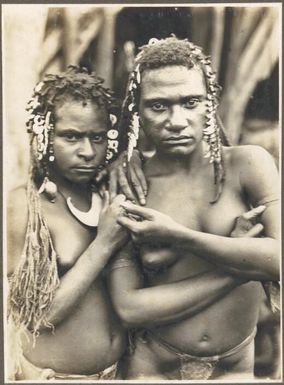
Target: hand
{"type": "Point", "coordinates": [145, 223]}
{"type": "Point", "coordinates": [125, 176]}
{"type": "Point", "coordinates": [245, 225]}
{"type": "Point", "coordinates": [109, 231]}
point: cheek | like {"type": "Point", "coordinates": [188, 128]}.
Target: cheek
{"type": "Point", "coordinates": [101, 150]}
{"type": "Point", "coordinates": [62, 151]}
{"type": "Point", "coordinates": [152, 133]}
{"type": "Point", "coordinates": [152, 125]}
{"type": "Point", "coordinates": [198, 120]}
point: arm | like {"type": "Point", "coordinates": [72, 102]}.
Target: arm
{"type": "Point", "coordinates": [259, 256]}
{"type": "Point", "coordinates": [76, 282]}
{"type": "Point", "coordinates": [166, 303]}
{"type": "Point", "coordinates": [259, 259]}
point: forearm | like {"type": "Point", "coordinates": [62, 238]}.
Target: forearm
{"type": "Point", "coordinates": [76, 282]}
{"type": "Point", "coordinates": [171, 302]}
{"type": "Point", "coordinates": [252, 258]}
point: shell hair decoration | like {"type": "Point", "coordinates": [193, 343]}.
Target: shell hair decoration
{"type": "Point", "coordinates": [40, 123]}
{"type": "Point", "coordinates": [211, 130]}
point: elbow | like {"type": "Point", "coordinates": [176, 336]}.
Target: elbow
{"type": "Point", "coordinates": [130, 315]}
{"type": "Point", "coordinates": [272, 270]}
{"type": "Point", "coordinates": [268, 268]}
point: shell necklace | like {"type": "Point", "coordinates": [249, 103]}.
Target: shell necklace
{"type": "Point", "coordinates": [89, 218]}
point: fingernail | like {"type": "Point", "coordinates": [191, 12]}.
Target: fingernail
{"type": "Point", "coordinates": [145, 192]}
{"type": "Point", "coordinates": [142, 201]}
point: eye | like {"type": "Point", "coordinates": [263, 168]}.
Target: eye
{"type": "Point", "coordinates": [192, 102]}
{"type": "Point", "coordinates": [72, 136]}
{"type": "Point", "coordinates": [98, 138]}
{"type": "Point", "coordinates": [158, 106]}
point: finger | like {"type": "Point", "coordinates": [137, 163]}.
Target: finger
{"type": "Point", "coordinates": [137, 186]}
{"type": "Point", "coordinates": [253, 213]}
{"type": "Point", "coordinates": [128, 223]}
{"type": "Point", "coordinates": [124, 185]}
{"type": "Point", "coordinates": [244, 224]}
{"type": "Point", "coordinates": [141, 177]}
{"type": "Point", "coordinates": [102, 189]}
{"type": "Point", "coordinates": [254, 231]}
{"type": "Point", "coordinates": [120, 198]}
{"type": "Point", "coordinates": [106, 200]}
{"type": "Point", "coordinates": [144, 212]}
{"type": "Point", "coordinates": [113, 184]}
{"type": "Point", "coordinates": [101, 175]}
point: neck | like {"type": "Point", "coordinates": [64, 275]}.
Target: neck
{"type": "Point", "coordinates": [188, 164]}
{"type": "Point", "coordinates": [68, 188]}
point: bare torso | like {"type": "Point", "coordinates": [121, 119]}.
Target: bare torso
{"type": "Point", "coordinates": [188, 202]}
{"type": "Point", "coordinates": [91, 338]}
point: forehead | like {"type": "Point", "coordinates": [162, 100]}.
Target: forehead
{"type": "Point", "coordinates": [73, 111]}
{"type": "Point", "coordinates": [172, 81]}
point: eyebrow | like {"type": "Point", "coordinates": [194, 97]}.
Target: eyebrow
{"type": "Point", "coordinates": [150, 101]}
{"type": "Point", "coordinates": [79, 133]}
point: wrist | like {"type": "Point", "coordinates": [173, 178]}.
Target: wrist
{"type": "Point", "coordinates": [182, 235]}
{"type": "Point", "coordinates": [100, 248]}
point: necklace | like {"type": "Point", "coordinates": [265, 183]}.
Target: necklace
{"type": "Point", "coordinates": [91, 217]}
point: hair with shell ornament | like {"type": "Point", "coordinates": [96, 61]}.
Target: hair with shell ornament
{"type": "Point", "coordinates": [76, 83]}
{"type": "Point", "coordinates": [172, 51]}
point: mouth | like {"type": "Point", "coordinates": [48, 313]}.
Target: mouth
{"type": "Point", "coordinates": [181, 139]}
{"type": "Point", "coordinates": [85, 169]}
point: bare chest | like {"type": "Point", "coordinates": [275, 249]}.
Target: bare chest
{"type": "Point", "coordinates": [70, 238]}
{"type": "Point", "coordinates": [190, 205]}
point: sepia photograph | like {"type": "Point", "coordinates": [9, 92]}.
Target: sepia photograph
{"type": "Point", "coordinates": [141, 193]}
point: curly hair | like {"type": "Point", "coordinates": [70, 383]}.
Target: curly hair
{"type": "Point", "coordinates": [53, 90]}
{"type": "Point", "coordinates": [166, 52]}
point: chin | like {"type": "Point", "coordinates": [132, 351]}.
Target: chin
{"type": "Point", "coordinates": [81, 179]}
{"type": "Point", "coordinates": [178, 151]}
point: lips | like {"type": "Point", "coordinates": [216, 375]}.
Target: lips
{"type": "Point", "coordinates": [86, 169]}
{"type": "Point", "coordinates": [181, 139]}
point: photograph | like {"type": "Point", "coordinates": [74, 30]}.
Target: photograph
{"type": "Point", "coordinates": [141, 183]}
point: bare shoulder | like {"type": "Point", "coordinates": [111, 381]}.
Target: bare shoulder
{"type": "Point", "coordinates": [257, 171]}
{"type": "Point", "coordinates": [17, 195]}
{"type": "Point", "coordinates": [248, 155]}
{"type": "Point", "coordinates": [17, 203]}
{"type": "Point", "coordinates": [17, 217]}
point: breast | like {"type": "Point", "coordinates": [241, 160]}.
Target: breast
{"type": "Point", "coordinates": [219, 218]}
{"type": "Point", "coordinates": [70, 238]}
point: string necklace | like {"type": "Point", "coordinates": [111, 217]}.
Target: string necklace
{"type": "Point", "coordinates": [89, 218]}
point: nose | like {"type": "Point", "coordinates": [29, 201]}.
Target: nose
{"type": "Point", "coordinates": [86, 149]}
{"type": "Point", "coordinates": [177, 119]}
